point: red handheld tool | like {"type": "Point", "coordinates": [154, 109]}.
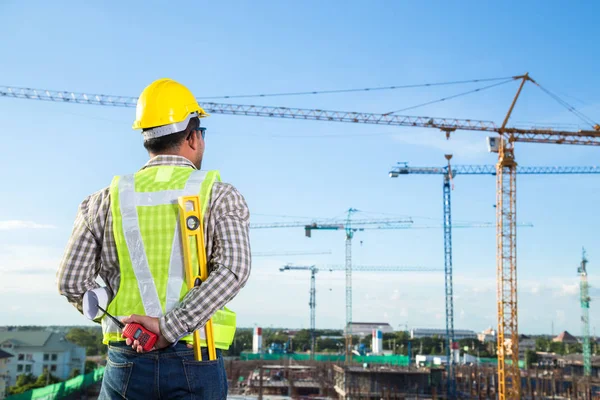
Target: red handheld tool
{"type": "Point", "coordinates": [135, 331]}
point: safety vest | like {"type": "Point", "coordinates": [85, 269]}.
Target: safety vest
{"type": "Point", "coordinates": [148, 239]}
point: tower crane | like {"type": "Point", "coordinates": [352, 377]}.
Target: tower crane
{"type": "Point", "coordinates": [349, 227]}
{"type": "Point", "coordinates": [503, 143]}
{"type": "Point", "coordinates": [448, 173]}
{"type": "Point", "coordinates": [584, 297]}
{"type": "Point", "coordinates": [357, 268]}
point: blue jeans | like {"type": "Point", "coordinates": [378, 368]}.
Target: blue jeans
{"type": "Point", "coordinates": [170, 373]}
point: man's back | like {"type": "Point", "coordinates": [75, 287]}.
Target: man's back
{"type": "Point", "coordinates": [226, 221]}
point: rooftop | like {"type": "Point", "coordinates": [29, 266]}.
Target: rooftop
{"type": "Point", "coordinates": [48, 340]}
{"type": "Point", "coordinates": [25, 338]}
{"type": "Point", "coordinates": [4, 354]}
{"type": "Point", "coordinates": [565, 337]}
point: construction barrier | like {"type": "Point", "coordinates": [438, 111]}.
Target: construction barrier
{"type": "Point", "coordinates": [391, 360]}
{"type": "Point", "coordinates": [61, 389]}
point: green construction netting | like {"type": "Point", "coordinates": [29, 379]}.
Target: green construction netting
{"type": "Point", "coordinates": [62, 389]}
{"type": "Point", "coordinates": [392, 360]}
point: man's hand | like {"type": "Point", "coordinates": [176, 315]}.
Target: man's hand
{"type": "Point", "coordinates": [150, 323]}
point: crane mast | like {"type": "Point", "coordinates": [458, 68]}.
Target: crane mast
{"type": "Point", "coordinates": [585, 315]}
{"type": "Point", "coordinates": [448, 286]}
{"type": "Point", "coordinates": [349, 235]}
{"type": "Point", "coordinates": [509, 382]}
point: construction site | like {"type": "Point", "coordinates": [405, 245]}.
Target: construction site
{"type": "Point", "coordinates": [408, 297]}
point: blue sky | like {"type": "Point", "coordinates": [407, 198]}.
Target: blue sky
{"type": "Point", "coordinates": [56, 154]}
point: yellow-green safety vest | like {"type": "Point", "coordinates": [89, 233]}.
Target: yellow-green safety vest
{"type": "Point", "coordinates": [148, 239]}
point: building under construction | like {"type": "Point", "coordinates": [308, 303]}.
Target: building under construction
{"type": "Point", "coordinates": [381, 381]}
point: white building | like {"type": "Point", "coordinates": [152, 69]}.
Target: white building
{"type": "Point", "coordinates": [4, 356]}
{"type": "Point", "coordinates": [35, 350]}
{"type": "Point", "coordinates": [366, 328]}
{"type": "Point", "coordinates": [426, 332]}
{"type": "Point", "coordinates": [489, 335]}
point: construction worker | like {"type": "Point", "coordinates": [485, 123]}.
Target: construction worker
{"type": "Point", "coordinates": [128, 234]}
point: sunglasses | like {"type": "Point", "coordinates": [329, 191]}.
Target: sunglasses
{"type": "Point", "coordinates": [202, 131]}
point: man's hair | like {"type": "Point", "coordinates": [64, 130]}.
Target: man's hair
{"type": "Point", "coordinates": [170, 142]}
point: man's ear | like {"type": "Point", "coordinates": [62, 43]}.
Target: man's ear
{"type": "Point", "coordinates": [192, 140]}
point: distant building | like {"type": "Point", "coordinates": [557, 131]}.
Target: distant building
{"type": "Point", "coordinates": [366, 328]}
{"type": "Point", "coordinates": [572, 363]}
{"type": "Point", "coordinates": [525, 343]}
{"type": "Point", "coordinates": [426, 332]}
{"type": "Point", "coordinates": [4, 356]}
{"type": "Point", "coordinates": [565, 337]}
{"type": "Point", "coordinates": [33, 351]}
{"type": "Point", "coordinates": [489, 335]}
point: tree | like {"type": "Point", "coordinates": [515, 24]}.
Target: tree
{"type": "Point", "coordinates": [45, 379]}
{"type": "Point", "coordinates": [531, 357]}
{"type": "Point", "coordinates": [90, 338]}
{"type": "Point", "coordinates": [74, 372]}
{"type": "Point", "coordinates": [23, 384]}
{"type": "Point", "coordinates": [27, 382]}
{"type": "Point", "coordinates": [330, 345]}
{"type": "Point", "coordinates": [242, 341]}
{"type": "Point", "coordinates": [90, 366]}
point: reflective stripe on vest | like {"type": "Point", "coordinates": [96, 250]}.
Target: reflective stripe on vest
{"type": "Point", "coordinates": [144, 209]}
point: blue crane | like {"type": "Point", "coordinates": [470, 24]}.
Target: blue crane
{"type": "Point", "coordinates": [448, 173]}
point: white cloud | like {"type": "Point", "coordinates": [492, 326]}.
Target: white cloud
{"type": "Point", "coordinates": [28, 269]}
{"type": "Point", "coordinates": [15, 224]}
{"type": "Point", "coordinates": [569, 290]}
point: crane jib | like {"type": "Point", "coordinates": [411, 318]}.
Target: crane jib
{"type": "Point", "coordinates": [530, 135]}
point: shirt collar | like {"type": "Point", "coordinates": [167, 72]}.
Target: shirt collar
{"type": "Point", "coordinates": [169, 160]}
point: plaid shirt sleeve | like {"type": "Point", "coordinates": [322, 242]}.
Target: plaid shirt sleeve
{"type": "Point", "coordinates": [229, 259]}
{"type": "Point", "coordinates": [80, 264]}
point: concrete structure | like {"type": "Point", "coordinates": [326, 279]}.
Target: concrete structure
{"type": "Point", "coordinates": [4, 356]}
{"type": "Point", "coordinates": [257, 341]}
{"type": "Point", "coordinates": [377, 342]}
{"type": "Point", "coordinates": [426, 332]}
{"type": "Point", "coordinates": [378, 381]}
{"type": "Point", "coordinates": [35, 350]}
{"type": "Point", "coordinates": [366, 328]}
{"type": "Point", "coordinates": [284, 380]}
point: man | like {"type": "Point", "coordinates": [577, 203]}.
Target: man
{"type": "Point", "coordinates": [129, 235]}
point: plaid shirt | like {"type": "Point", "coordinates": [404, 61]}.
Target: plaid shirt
{"type": "Point", "coordinates": [91, 252]}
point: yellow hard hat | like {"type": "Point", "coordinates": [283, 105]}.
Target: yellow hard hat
{"type": "Point", "coordinates": [166, 102]}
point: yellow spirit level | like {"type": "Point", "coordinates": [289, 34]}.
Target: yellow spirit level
{"type": "Point", "coordinates": [192, 231]}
